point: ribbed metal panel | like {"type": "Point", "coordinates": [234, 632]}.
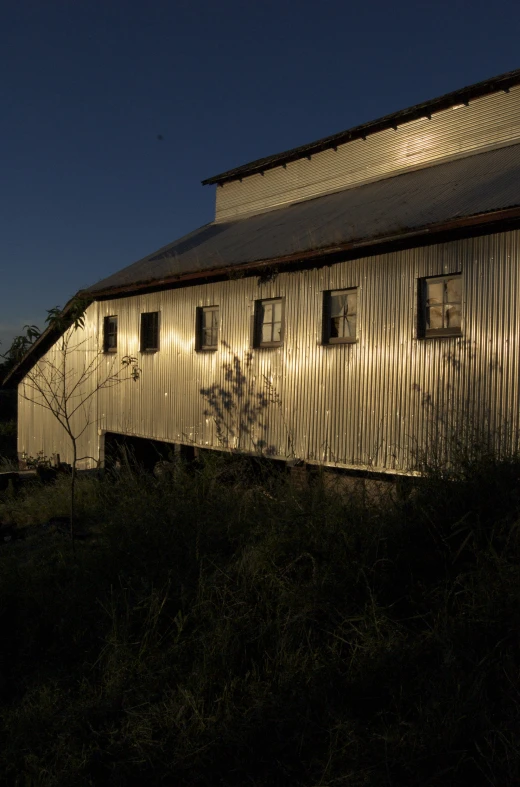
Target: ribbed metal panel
{"type": "Point", "coordinates": [38, 429]}
{"type": "Point", "coordinates": [377, 403]}
{"type": "Point", "coordinates": [489, 121]}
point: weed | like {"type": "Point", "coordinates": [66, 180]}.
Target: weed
{"type": "Point", "coordinates": [224, 625]}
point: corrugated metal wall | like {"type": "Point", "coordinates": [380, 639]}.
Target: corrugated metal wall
{"type": "Point", "coordinates": [489, 121]}
{"type": "Point", "coordinates": [79, 365]}
{"type": "Point", "coordinates": [373, 404]}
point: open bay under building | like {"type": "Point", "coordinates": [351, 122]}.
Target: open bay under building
{"type": "Point", "coordinates": [354, 303]}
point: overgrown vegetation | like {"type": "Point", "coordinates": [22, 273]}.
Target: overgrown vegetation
{"type": "Point", "coordinates": [8, 429]}
{"type": "Point", "coordinates": [225, 625]}
{"type": "Point", "coordinates": [7, 442]}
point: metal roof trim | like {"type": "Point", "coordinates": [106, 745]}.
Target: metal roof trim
{"type": "Point", "coordinates": [424, 109]}
{"type": "Point", "coordinates": [318, 254]}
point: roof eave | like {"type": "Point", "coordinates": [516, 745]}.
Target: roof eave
{"type": "Point", "coordinates": [484, 220]}
{"type": "Point", "coordinates": [37, 349]}
{"type": "Point", "coordinates": [426, 109]}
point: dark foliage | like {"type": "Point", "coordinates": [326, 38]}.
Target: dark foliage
{"type": "Point", "coordinates": [223, 625]}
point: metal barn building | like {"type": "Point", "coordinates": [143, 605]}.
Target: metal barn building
{"type": "Point", "coordinates": [355, 303]}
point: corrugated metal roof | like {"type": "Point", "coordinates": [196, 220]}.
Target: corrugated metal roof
{"type": "Point", "coordinates": [395, 206]}
{"type": "Point", "coordinates": [425, 109]}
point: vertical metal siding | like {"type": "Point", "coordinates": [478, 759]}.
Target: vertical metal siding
{"type": "Point", "coordinates": [38, 429]}
{"type": "Point", "coordinates": [380, 403]}
{"type": "Point", "coordinates": [489, 121]}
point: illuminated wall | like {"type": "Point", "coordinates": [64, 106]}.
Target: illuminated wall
{"type": "Point", "coordinates": [373, 404]}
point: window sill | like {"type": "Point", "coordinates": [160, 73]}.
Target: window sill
{"type": "Point", "coordinates": [150, 351]}
{"type": "Point", "coordinates": [268, 346]}
{"type": "Point", "coordinates": [206, 349]}
{"type": "Point", "coordinates": [335, 342]}
{"type": "Point", "coordinates": [442, 333]}
{"type": "Point", "coordinates": [111, 351]}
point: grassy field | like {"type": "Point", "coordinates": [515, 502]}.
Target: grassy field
{"type": "Point", "coordinates": [225, 626]}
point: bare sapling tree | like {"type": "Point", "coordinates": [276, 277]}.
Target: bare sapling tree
{"type": "Point", "coordinates": [66, 382]}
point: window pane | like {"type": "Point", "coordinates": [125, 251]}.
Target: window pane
{"type": "Point", "coordinates": [337, 305]}
{"type": "Point", "coordinates": [266, 333]}
{"type": "Point", "coordinates": [269, 322]}
{"type": "Point", "coordinates": [434, 317]}
{"type": "Point", "coordinates": [442, 310]}
{"type": "Point", "coordinates": [150, 331]}
{"type": "Point", "coordinates": [210, 329]}
{"type": "Point", "coordinates": [342, 314]}
{"type": "Point", "coordinates": [452, 316]}
{"type": "Point", "coordinates": [454, 289]}
{"type": "Point", "coordinates": [208, 326]}
{"type": "Point", "coordinates": [351, 303]}
{"type": "Point", "coordinates": [435, 292]}
{"type": "Point", "coordinates": [210, 317]}
{"type": "Point", "coordinates": [335, 328]}
{"type": "Point", "coordinates": [110, 333]}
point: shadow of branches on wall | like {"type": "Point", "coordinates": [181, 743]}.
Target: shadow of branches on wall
{"type": "Point", "coordinates": [240, 407]}
{"type": "Point", "coordinates": [468, 414]}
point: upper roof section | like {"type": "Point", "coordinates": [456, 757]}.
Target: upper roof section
{"type": "Point", "coordinates": [424, 110]}
{"type": "Point", "coordinates": [474, 118]}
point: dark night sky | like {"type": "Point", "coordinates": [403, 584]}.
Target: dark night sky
{"type": "Point", "coordinates": [86, 88]}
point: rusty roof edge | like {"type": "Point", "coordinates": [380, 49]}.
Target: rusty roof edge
{"type": "Point", "coordinates": [424, 109]}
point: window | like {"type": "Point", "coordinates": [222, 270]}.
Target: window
{"type": "Point", "coordinates": [149, 331]}
{"type": "Point", "coordinates": [207, 328]}
{"type": "Point", "coordinates": [340, 316]}
{"type": "Point", "coordinates": [110, 334]}
{"type": "Point", "coordinates": [269, 323]}
{"type": "Point", "coordinates": [440, 306]}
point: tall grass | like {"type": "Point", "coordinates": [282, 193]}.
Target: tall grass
{"type": "Point", "coordinates": [224, 625]}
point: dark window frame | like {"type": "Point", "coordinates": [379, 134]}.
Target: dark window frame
{"type": "Point", "coordinates": [432, 333]}
{"type": "Point", "coordinates": [109, 343]}
{"type": "Point", "coordinates": [149, 333]}
{"type": "Point", "coordinates": [200, 328]}
{"type": "Point", "coordinates": [259, 324]}
{"type": "Point", "coordinates": [327, 338]}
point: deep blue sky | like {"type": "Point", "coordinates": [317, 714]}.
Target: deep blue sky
{"type": "Point", "coordinates": [86, 87]}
